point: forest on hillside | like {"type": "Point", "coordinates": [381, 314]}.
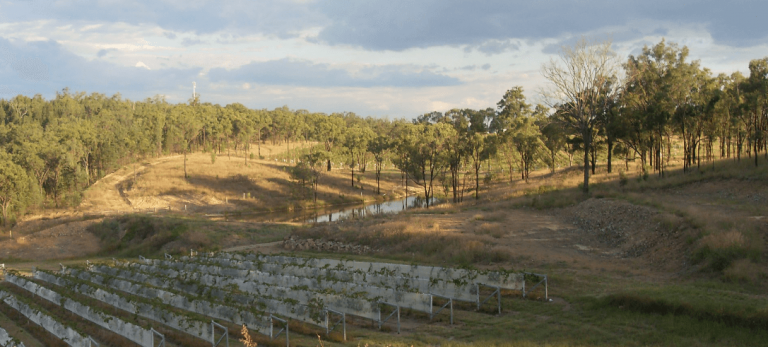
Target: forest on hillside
{"type": "Point", "coordinates": [54, 149]}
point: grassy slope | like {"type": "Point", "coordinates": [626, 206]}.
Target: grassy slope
{"type": "Point", "coordinates": [718, 301]}
{"type": "Point", "coordinates": [230, 183]}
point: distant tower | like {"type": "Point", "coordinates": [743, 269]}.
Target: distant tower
{"type": "Point", "coordinates": [193, 89]}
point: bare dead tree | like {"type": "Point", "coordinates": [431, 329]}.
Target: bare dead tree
{"type": "Point", "coordinates": [582, 81]}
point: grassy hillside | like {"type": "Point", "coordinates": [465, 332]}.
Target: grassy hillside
{"type": "Point", "coordinates": [639, 261]}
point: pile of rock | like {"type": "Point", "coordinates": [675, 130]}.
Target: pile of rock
{"type": "Point", "coordinates": [619, 224]}
{"type": "Point", "coordinates": [294, 243]}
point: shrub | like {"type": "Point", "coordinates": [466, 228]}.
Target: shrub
{"type": "Point", "coordinates": [719, 250]}
{"type": "Point", "coordinates": [492, 229]}
{"type": "Point", "coordinates": [623, 180]}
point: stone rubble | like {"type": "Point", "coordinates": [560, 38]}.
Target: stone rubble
{"type": "Point", "coordinates": [619, 224]}
{"type": "Point", "coordinates": [294, 243]}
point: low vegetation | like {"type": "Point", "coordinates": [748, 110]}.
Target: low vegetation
{"type": "Point", "coordinates": [134, 235]}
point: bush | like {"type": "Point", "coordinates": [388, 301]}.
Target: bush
{"type": "Point", "coordinates": [719, 250]}
{"type": "Point", "coordinates": [488, 178]}
{"type": "Point", "coordinates": [623, 180]}
{"type": "Point", "coordinates": [143, 235]}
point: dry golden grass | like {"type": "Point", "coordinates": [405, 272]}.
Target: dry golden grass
{"type": "Point", "coordinates": [724, 240]}
{"type": "Point", "coordinates": [232, 183]}
{"type": "Point", "coordinates": [745, 270]}
{"type": "Point", "coordinates": [417, 238]}
{"type": "Point", "coordinates": [493, 229]}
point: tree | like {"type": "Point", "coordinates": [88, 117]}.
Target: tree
{"type": "Point", "coordinates": [260, 121]}
{"type": "Point", "coordinates": [330, 131]}
{"type": "Point", "coordinates": [509, 108]}
{"type": "Point", "coordinates": [423, 148]}
{"type": "Point", "coordinates": [31, 150]}
{"type": "Point", "coordinates": [287, 124]}
{"type": "Point", "coordinates": [480, 147]}
{"type": "Point", "coordinates": [526, 138]}
{"type": "Point", "coordinates": [379, 147]}
{"type": "Point", "coordinates": [554, 140]}
{"type": "Point", "coordinates": [314, 161]}
{"type": "Point", "coordinates": [186, 127]}
{"type": "Point", "coordinates": [13, 185]}
{"type": "Point", "coordinates": [356, 143]}
{"type": "Point", "coordinates": [756, 105]}
{"type": "Point", "coordinates": [586, 78]}
{"type": "Point", "coordinates": [457, 150]}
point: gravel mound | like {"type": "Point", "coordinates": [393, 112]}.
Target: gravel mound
{"type": "Point", "coordinates": [618, 224]}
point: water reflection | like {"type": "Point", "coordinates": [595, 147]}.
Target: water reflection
{"type": "Point", "coordinates": [395, 206]}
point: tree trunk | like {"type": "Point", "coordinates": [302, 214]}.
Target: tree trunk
{"type": "Point", "coordinates": [756, 152]}
{"type": "Point", "coordinates": [185, 164]}
{"type": "Point", "coordinates": [477, 182]}
{"type": "Point", "coordinates": [587, 144]}
{"type": "Point", "coordinates": [5, 205]}
{"type": "Point", "coordinates": [553, 154]}
{"type": "Point", "coordinates": [610, 152]}
{"type": "Point", "coordinates": [406, 189]}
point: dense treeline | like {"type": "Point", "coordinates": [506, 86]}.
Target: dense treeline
{"type": "Point", "coordinates": [54, 149]}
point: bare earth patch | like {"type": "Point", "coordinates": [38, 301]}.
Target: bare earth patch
{"type": "Point", "coordinates": [68, 240]}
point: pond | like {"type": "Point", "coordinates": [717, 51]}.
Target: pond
{"type": "Point", "coordinates": [338, 213]}
{"type": "Point", "coordinates": [395, 206]}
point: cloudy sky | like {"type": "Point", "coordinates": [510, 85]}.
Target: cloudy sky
{"type": "Point", "coordinates": [391, 58]}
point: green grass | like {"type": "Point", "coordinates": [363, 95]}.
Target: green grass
{"type": "Point", "coordinates": [601, 311]}
{"type": "Point", "coordinates": [133, 235]}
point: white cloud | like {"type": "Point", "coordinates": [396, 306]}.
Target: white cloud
{"type": "Point", "coordinates": [395, 57]}
{"type": "Point", "coordinates": [306, 73]}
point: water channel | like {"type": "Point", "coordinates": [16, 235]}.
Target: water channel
{"type": "Point", "coordinates": [339, 212]}
{"type": "Point", "coordinates": [395, 206]}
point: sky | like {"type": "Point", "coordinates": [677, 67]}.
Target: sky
{"type": "Point", "coordinates": [380, 58]}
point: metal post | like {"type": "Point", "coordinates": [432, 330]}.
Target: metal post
{"type": "Point", "coordinates": [92, 342]}
{"type": "Point", "coordinates": [498, 289]}
{"type": "Point", "coordinates": [398, 319]}
{"type": "Point", "coordinates": [449, 303]}
{"type": "Point", "coordinates": [272, 334]}
{"type": "Point", "coordinates": [155, 333]}
{"type": "Point", "coordinates": [397, 311]}
{"type": "Point", "coordinates": [215, 343]}
{"type": "Point", "coordinates": [523, 284]}
{"type": "Point", "coordinates": [342, 320]}
{"type": "Point", "coordinates": [477, 289]}
{"type": "Point", "coordinates": [431, 306]}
